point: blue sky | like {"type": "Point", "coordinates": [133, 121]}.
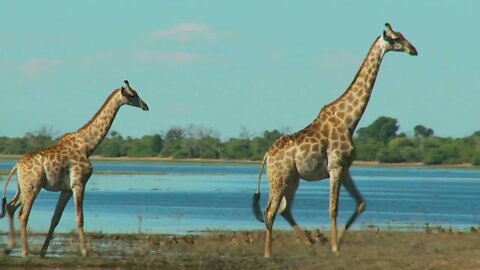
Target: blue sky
{"type": "Point", "coordinates": [231, 64]}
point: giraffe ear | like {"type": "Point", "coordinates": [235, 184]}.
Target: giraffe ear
{"type": "Point", "coordinates": [124, 91]}
{"type": "Point", "coordinates": [388, 37]}
{"type": "Point", "coordinates": [388, 27]}
{"type": "Point", "coordinates": [388, 34]}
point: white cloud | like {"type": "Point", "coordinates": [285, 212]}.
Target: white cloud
{"type": "Point", "coordinates": [169, 57]}
{"type": "Point", "coordinates": [187, 31]}
{"type": "Point", "coordinates": [34, 67]}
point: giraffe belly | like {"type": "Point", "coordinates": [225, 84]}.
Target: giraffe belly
{"type": "Point", "coordinates": [57, 181]}
{"type": "Point", "coordinates": [313, 168]}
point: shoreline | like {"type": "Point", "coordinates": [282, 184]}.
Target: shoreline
{"type": "Point", "coordinates": [425, 228]}
{"type": "Point", "coordinates": [199, 161]}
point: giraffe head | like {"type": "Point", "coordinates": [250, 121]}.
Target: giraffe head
{"type": "Point", "coordinates": [395, 41]}
{"type": "Point", "coordinates": [130, 97]}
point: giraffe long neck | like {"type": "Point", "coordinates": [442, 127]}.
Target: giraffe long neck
{"type": "Point", "coordinates": [355, 99]}
{"type": "Point", "coordinates": [97, 128]}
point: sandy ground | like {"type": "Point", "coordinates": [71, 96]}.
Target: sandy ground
{"type": "Point", "coordinates": [432, 249]}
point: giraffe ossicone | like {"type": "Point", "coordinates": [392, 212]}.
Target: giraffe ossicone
{"type": "Point", "coordinates": [324, 149]}
{"type": "Point", "coordinates": [63, 167]}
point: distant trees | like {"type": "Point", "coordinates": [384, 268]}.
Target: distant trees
{"type": "Point", "coordinates": [377, 142]}
{"type": "Point", "coordinates": [191, 142]}
{"type": "Point", "coordinates": [381, 130]}
{"type": "Point", "coordinates": [371, 141]}
{"type": "Point", "coordinates": [421, 131]}
{"type": "Point", "coordinates": [173, 146]}
{"type": "Point", "coordinates": [32, 141]}
{"type": "Point", "coordinates": [112, 146]}
{"type": "Point", "coordinates": [147, 146]}
{"type": "Point", "coordinates": [423, 147]}
{"type": "Point", "coordinates": [259, 145]}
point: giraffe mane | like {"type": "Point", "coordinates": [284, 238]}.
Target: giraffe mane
{"type": "Point", "coordinates": [365, 60]}
{"type": "Point", "coordinates": [99, 111]}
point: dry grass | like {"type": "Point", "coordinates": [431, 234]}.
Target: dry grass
{"type": "Point", "coordinates": [435, 249]}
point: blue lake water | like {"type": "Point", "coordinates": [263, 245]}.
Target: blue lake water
{"type": "Point", "coordinates": [185, 198]}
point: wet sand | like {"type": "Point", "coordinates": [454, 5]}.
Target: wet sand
{"type": "Point", "coordinates": [431, 249]}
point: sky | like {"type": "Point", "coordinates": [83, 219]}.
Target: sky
{"type": "Point", "coordinates": [233, 65]}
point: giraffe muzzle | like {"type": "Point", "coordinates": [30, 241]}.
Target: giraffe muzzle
{"type": "Point", "coordinates": [412, 51]}
{"type": "Point", "coordinates": [143, 106]}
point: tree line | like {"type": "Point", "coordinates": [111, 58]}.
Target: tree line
{"type": "Point", "coordinates": [380, 141]}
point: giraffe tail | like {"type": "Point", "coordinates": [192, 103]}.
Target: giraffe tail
{"type": "Point", "coordinates": [4, 199]}
{"type": "Point", "coordinates": [257, 212]}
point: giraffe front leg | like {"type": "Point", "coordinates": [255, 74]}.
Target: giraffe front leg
{"type": "Point", "coordinates": [62, 202]}
{"type": "Point", "coordinates": [302, 236]}
{"type": "Point", "coordinates": [335, 180]}
{"type": "Point", "coordinates": [78, 192]}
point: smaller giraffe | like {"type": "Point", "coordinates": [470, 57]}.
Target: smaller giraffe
{"type": "Point", "coordinates": [324, 149]}
{"type": "Point", "coordinates": [63, 167]}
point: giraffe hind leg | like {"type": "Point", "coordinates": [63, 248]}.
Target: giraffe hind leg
{"type": "Point", "coordinates": [353, 191]}
{"type": "Point", "coordinates": [285, 209]}
{"type": "Point", "coordinates": [270, 213]}
{"type": "Point", "coordinates": [10, 208]}
{"type": "Point", "coordinates": [23, 218]}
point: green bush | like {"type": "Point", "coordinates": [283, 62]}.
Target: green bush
{"type": "Point", "coordinates": [410, 154]}
{"type": "Point", "coordinates": [237, 149]}
{"type": "Point", "coordinates": [475, 159]}
{"type": "Point", "coordinates": [434, 157]}
{"type": "Point", "coordinates": [367, 149]}
{"type": "Point", "coordinates": [147, 146]}
{"type": "Point", "coordinates": [390, 156]}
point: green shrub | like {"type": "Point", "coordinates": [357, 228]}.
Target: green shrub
{"type": "Point", "coordinates": [390, 156]}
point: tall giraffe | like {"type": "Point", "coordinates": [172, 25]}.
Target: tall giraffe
{"type": "Point", "coordinates": [324, 148]}
{"type": "Point", "coordinates": [64, 167]}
